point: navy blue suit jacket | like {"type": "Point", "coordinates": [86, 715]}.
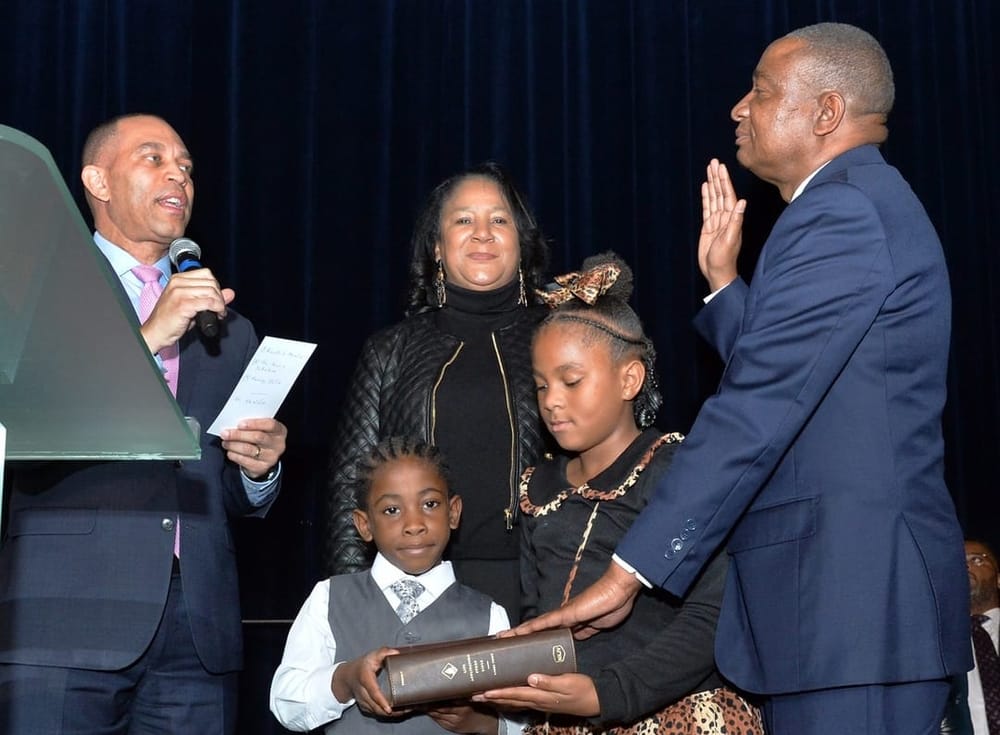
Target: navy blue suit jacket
{"type": "Point", "coordinates": [86, 565]}
{"type": "Point", "coordinates": [819, 461]}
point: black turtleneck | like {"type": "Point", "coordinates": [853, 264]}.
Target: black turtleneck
{"type": "Point", "coordinates": [474, 423]}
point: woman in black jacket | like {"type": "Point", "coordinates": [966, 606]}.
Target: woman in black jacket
{"type": "Point", "coordinates": [456, 372]}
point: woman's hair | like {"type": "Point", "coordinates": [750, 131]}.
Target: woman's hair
{"type": "Point", "coordinates": [611, 320]}
{"type": "Point", "coordinates": [427, 234]}
{"type": "Point", "coordinates": [390, 449]}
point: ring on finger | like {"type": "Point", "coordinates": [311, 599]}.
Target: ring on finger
{"type": "Point", "coordinates": [257, 455]}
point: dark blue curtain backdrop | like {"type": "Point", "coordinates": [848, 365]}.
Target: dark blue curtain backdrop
{"type": "Point", "coordinates": [318, 126]}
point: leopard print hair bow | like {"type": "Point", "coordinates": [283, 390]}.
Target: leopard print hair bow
{"type": "Point", "coordinates": [586, 286]}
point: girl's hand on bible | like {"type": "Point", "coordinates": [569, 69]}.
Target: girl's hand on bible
{"type": "Point", "coordinates": [568, 694]}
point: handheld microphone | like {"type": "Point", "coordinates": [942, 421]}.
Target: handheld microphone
{"type": "Point", "coordinates": [185, 255]}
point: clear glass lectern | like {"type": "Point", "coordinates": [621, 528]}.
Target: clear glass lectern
{"type": "Point", "coordinates": [76, 379]}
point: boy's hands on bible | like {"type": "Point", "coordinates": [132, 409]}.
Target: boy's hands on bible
{"type": "Point", "coordinates": [357, 680]}
{"type": "Point", "coordinates": [464, 718]}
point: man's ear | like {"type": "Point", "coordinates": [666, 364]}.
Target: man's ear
{"type": "Point", "coordinates": [832, 108]}
{"type": "Point", "coordinates": [361, 523]}
{"type": "Point", "coordinates": [95, 181]}
{"type": "Point", "coordinates": [454, 511]}
{"type": "Point", "coordinates": [633, 374]}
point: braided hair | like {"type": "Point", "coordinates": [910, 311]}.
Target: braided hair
{"type": "Point", "coordinates": [611, 320]}
{"type": "Point", "coordinates": [390, 449]}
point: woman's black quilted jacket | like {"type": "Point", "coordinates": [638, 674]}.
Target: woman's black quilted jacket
{"type": "Point", "coordinates": [391, 394]}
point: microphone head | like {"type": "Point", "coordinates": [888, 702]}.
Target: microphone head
{"type": "Point", "coordinates": [182, 246]}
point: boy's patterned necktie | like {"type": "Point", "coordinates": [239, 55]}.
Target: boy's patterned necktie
{"type": "Point", "coordinates": [988, 665]}
{"type": "Point", "coordinates": [407, 590]}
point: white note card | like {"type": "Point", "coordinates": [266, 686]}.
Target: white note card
{"type": "Point", "coordinates": [265, 382]}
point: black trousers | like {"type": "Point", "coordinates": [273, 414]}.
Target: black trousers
{"type": "Point", "coordinates": [166, 691]}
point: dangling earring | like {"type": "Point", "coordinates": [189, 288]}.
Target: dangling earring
{"type": "Point", "coordinates": [522, 297]}
{"type": "Point", "coordinates": [439, 291]}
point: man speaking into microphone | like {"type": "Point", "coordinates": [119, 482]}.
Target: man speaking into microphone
{"type": "Point", "coordinates": [119, 604]}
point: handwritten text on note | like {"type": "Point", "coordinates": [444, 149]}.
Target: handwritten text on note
{"type": "Point", "coordinates": [265, 382]}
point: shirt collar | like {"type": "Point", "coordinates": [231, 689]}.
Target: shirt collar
{"type": "Point", "coordinates": [435, 580]}
{"type": "Point", "coordinates": [805, 182]}
{"type": "Point", "coordinates": [122, 262]}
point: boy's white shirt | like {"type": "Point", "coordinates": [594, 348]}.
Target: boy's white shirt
{"type": "Point", "coordinates": [301, 692]}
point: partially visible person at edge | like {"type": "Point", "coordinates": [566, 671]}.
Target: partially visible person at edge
{"type": "Point", "coordinates": [598, 395]}
{"type": "Point", "coordinates": [972, 708]}
{"type": "Point", "coordinates": [819, 461]}
{"type": "Point", "coordinates": [103, 627]}
{"type": "Point", "coordinates": [456, 373]}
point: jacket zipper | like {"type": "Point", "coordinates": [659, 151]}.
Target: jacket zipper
{"type": "Point", "coordinates": [508, 512]}
{"type": "Point", "coordinates": [437, 384]}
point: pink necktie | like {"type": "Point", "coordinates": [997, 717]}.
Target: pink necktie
{"type": "Point", "coordinates": [151, 290]}
{"type": "Point", "coordinates": [169, 356]}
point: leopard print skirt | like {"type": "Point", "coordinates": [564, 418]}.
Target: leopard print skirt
{"type": "Point", "coordinates": [713, 712]}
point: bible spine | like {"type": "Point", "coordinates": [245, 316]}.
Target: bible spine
{"type": "Point", "coordinates": [458, 669]}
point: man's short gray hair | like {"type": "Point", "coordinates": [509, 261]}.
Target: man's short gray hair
{"type": "Point", "coordinates": [846, 59]}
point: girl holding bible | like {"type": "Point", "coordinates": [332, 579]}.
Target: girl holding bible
{"type": "Point", "coordinates": [597, 394]}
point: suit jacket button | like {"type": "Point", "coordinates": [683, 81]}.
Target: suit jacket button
{"type": "Point", "coordinates": [676, 544]}
{"type": "Point", "coordinates": [690, 525]}
{"type": "Point", "coordinates": [167, 524]}
{"type": "Point", "coordinates": [669, 554]}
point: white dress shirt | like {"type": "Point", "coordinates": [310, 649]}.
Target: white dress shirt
{"type": "Point", "coordinates": [977, 706]}
{"type": "Point", "coordinates": [302, 687]}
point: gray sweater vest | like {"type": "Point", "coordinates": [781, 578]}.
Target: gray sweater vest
{"type": "Point", "coordinates": [362, 620]}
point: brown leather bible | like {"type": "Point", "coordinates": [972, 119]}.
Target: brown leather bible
{"type": "Point", "coordinates": [458, 669]}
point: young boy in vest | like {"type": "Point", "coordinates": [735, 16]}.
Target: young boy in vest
{"type": "Point", "coordinates": [351, 622]}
